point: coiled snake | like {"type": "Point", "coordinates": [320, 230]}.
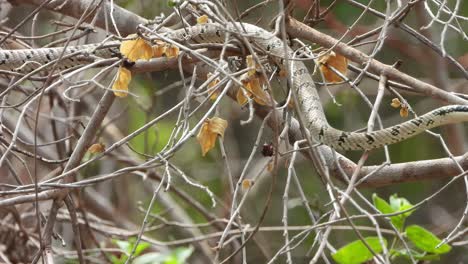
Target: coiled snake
{"type": "Point", "coordinates": [28, 60]}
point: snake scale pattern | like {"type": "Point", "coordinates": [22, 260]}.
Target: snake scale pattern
{"type": "Point", "coordinates": [28, 60]}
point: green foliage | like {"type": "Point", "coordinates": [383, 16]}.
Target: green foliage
{"type": "Point", "coordinates": [421, 238]}
{"type": "Point", "coordinates": [357, 252]}
{"type": "Point", "coordinates": [396, 205]}
{"type": "Point", "coordinates": [174, 3]}
{"type": "Point", "coordinates": [127, 246]}
{"type": "Point", "coordinates": [425, 240]}
{"type": "Point", "coordinates": [176, 256]}
{"type": "Point", "coordinates": [423, 244]}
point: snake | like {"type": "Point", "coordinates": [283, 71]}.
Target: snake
{"type": "Point", "coordinates": [27, 60]}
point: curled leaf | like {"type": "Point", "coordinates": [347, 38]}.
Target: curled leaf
{"type": "Point", "coordinates": [209, 132]}
{"type": "Point", "coordinates": [253, 89]}
{"type": "Point", "coordinates": [96, 148]}
{"type": "Point", "coordinates": [395, 103]}
{"type": "Point", "coordinates": [202, 19]}
{"type": "Point", "coordinates": [404, 111]}
{"type": "Point", "coordinates": [212, 84]}
{"type": "Point", "coordinates": [252, 65]}
{"type": "Point", "coordinates": [337, 61]}
{"type": "Point", "coordinates": [246, 184]}
{"type": "Point", "coordinates": [136, 49]}
{"type": "Point", "coordinates": [120, 86]}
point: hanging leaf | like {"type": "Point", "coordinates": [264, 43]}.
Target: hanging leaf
{"type": "Point", "coordinates": [120, 86]}
{"type": "Point", "coordinates": [404, 111]}
{"type": "Point", "coordinates": [252, 65]}
{"type": "Point", "coordinates": [136, 49]}
{"type": "Point", "coordinates": [96, 148]}
{"type": "Point", "coordinates": [212, 84]}
{"type": "Point", "coordinates": [337, 61]}
{"type": "Point", "coordinates": [252, 89]}
{"type": "Point", "coordinates": [209, 132]}
{"type": "Point", "coordinates": [395, 103]}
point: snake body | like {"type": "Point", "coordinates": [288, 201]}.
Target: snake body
{"type": "Point", "coordinates": [302, 82]}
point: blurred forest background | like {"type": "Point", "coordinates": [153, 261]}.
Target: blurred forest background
{"type": "Point", "coordinates": [111, 212]}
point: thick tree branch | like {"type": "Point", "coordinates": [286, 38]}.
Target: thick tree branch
{"type": "Point", "coordinates": [125, 21]}
{"type": "Point", "coordinates": [299, 30]}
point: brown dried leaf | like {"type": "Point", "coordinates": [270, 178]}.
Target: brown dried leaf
{"type": "Point", "coordinates": [96, 148]}
{"type": "Point", "coordinates": [209, 132]}
{"type": "Point", "coordinates": [120, 86]}
{"type": "Point", "coordinates": [337, 61]}
{"type": "Point", "coordinates": [395, 103]}
{"type": "Point", "coordinates": [404, 111]}
{"type": "Point", "coordinates": [136, 49]}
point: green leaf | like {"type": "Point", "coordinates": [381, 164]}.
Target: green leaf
{"type": "Point", "coordinates": [173, 3]}
{"type": "Point", "coordinates": [381, 204]}
{"type": "Point", "coordinates": [356, 252]}
{"type": "Point", "coordinates": [414, 254]}
{"type": "Point", "coordinates": [140, 248]}
{"type": "Point", "coordinates": [400, 204]}
{"type": "Point", "coordinates": [396, 205]}
{"type": "Point", "coordinates": [425, 240]}
{"type": "Point", "coordinates": [150, 258]}
{"type": "Point", "coordinates": [177, 256]}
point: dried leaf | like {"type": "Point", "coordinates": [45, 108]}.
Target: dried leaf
{"type": "Point", "coordinates": [96, 148]}
{"type": "Point", "coordinates": [136, 49]}
{"type": "Point", "coordinates": [404, 111]}
{"type": "Point", "coordinates": [249, 60]}
{"type": "Point", "coordinates": [172, 51]}
{"type": "Point", "coordinates": [255, 87]}
{"type": "Point", "coordinates": [246, 184]}
{"type": "Point", "coordinates": [159, 49]}
{"type": "Point", "coordinates": [209, 132]}
{"type": "Point", "coordinates": [241, 96]}
{"type": "Point", "coordinates": [212, 84]}
{"type": "Point", "coordinates": [120, 86]}
{"type": "Point", "coordinates": [337, 61]}
{"type": "Point", "coordinates": [252, 89]}
{"type": "Point", "coordinates": [395, 103]}
{"type": "Point", "coordinates": [202, 19]}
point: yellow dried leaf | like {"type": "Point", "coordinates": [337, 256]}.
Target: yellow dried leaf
{"type": "Point", "coordinates": [120, 86]}
{"type": "Point", "coordinates": [249, 60]}
{"type": "Point", "coordinates": [337, 61]}
{"type": "Point", "coordinates": [270, 166]}
{"type": "Point", "coordinates": [172, 51]}
{"type": "Point", "coordinates": [395, 103]}
{"type": "Point", "coordinates": [209, 132]}
{"type": "Point", "coordinates": [241, 96]}
{"type": "Point", "coordinates": [255, 87]}
{"type": "Point", "coordinates": [202, 19]}
{"type": "Point", "coordinates": [246, 184]}
{"type": "Point", "coordinates": [96, 148]}
{"type": "Point", "coordinates": [136, 49]}
{"type": "Point", "coordinates": [212, 84]}
{"type": "Point", "coordinates": [159, 49]}
{"type": "Point", "coordinates": [404, 111]}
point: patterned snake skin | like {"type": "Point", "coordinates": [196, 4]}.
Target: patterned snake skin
{"type": "Point", "coordinates": [14, 60]}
